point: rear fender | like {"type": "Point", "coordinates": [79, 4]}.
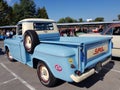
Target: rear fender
{"type": "Point", "coordinates": [57, 59]}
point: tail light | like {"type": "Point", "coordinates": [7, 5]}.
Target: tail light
{"type": "Point", "coordinates": [77, 72]}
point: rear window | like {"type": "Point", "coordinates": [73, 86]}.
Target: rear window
{"type": "Point", "coordinates": [43, 26]}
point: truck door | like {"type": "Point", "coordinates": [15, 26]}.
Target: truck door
{"type": "Point", "coordinates": [16, 47]}
{"type": "Point", "coordinates": [16, 50]}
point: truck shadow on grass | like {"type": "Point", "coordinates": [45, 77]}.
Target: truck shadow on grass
{"type": "Point", "coordinates": [95, 77]}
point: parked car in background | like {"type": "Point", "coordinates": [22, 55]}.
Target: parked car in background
{"type": "Point", "coordinates": [7, 31]}
{"type": "Point", "coordinates": [111, 30]}
{"type": "Point", "coordinates": [114, 31]}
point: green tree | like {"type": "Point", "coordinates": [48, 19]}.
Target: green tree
{"type": "Point", "coordinates": [24, 9]}
{"type": "Point", "coordinates": [5, 13]}
{"type": "Point", "coordinates": [61, 20]}
{"type": "Point", "coordinates": [67, 20]}
{"type": "Point", "coordinates": [28, 9]}
{"type": "Point", "coordinates": [99, 19]}
{"type": "Point", "coordinates": [9, 16]}
{"type": "Point", "coordinates": [42, 13]}
{"type": "Point", "coordinates": [70, 20]}
{"type": "Point", "coordinates": [80, 20]}
{"type": "Point", "coordinates": [17, 13]}
{"type": "Point", "coordinates": [119, 17]}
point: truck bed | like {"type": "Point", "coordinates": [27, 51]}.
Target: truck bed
{"type": "Point", "coordinates": [78, 41]}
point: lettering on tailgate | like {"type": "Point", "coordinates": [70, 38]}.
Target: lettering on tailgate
{"type": "Point", "coordinates": [97, 50]}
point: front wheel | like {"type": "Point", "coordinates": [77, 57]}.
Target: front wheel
{"type": "Point", "coordinates": [45, 76]}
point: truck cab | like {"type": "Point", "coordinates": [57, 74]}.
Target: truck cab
{"type": "Point", "coordinates": [38, 44]}
{"type": "Point", "coordinates": [39, 25]}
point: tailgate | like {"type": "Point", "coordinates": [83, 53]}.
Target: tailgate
{"type": "Point", "coordinates": [96, 52]}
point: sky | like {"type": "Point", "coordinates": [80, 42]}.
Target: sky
{"type": "Point", "coordinates": [85, 9]}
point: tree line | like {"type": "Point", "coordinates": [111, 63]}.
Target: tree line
{"type": "Point", "coordinates": [72, 20]}
{"type": "Point", "coordinates": [10, 15]}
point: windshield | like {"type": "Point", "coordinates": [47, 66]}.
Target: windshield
{"type": "Point", "coordinates": [43, 26]}
{"type": "Point", "coordinates": [107, 31]}
{"type": "Point", "coordinates": [111, 31]}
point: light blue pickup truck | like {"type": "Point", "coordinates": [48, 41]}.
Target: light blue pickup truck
{"type": "Point", "coordinates": [72, 59]}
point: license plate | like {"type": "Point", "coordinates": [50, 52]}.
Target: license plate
{"type": "Point", "coordinates": [97, 51]}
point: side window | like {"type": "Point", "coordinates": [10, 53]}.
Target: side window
{"type": "Point", "coordinates": [20, 29]}
{"type": "Point", "coordinates": [116, 31]}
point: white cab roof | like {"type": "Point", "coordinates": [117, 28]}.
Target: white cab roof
{"type": "Point", "coordinates": [36, 20]}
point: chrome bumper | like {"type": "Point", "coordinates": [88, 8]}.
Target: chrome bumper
{"type": "Point", "coordinates": [77, 78]}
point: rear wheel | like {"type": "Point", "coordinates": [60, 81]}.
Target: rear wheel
{"type": "Point", "coordinates": [45, 76]}
{"type": "Point", "coordinates": [9, 56]}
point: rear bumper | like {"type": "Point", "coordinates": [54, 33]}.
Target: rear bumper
{"type": "Point", "coordinates": [85, 75]}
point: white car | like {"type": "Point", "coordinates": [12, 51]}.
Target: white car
{"type": "Point", "coordinates": [111, 30]}
{"type": "Point", "coordinates": [114, 31]}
